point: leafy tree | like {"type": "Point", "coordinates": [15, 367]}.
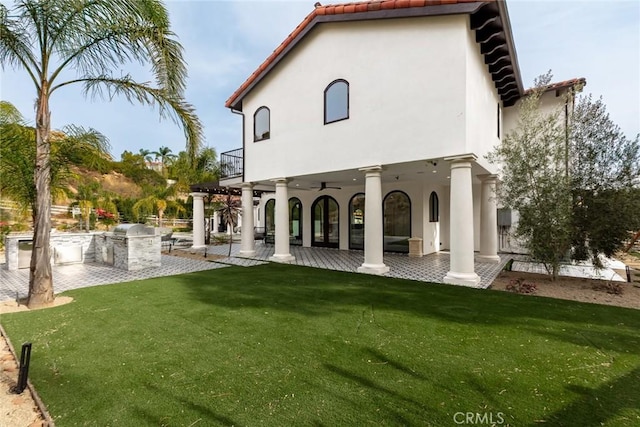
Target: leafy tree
{"type": "Point", "coordinates": [49, 39]}
{"type": "Point", "coordinates": [534, 180]}
{"type": "Point", "coordinates": [158, 200]}
{"type": "Point", "coordinates": [605, 177]}
{"type": "Point", "coordinates": [575, 186]}
{"type": "Point", "coordinates": [134, 166]}
{"type": "Point", "coordinates": [186, 173]}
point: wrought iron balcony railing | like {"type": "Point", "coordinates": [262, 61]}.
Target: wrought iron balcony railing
{"type": "Point", "coordinates": [231, 164]}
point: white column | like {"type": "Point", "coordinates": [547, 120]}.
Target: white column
{"type": "Point", "coordinates": [198, 220]}
{"type": "Point", "coordinates": [247, 246]}
{"type": "Point", "coordinates": [256, 217]}
{"type": "Point", "coordinates": [488, 220]}
{"type": "Point", "coordinates": [281, 253]}
{"type": "Point", "coordinates": [373, 227]}
{"type": "Point", "coordinates": [215, 222]}
{"type": "Point", "coordinates": [461, 224]}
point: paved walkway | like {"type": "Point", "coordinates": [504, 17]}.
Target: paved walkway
{"type": "Point", "coordinates": [430, 268]}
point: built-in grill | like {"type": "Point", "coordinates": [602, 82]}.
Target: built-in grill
{"type": "Point", "coordinates": [132, 247]}
{"type": "Point", "coordinates": [127, 230]}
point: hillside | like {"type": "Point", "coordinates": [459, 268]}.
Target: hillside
{"type": "Point", "coordinates": [113, 182]}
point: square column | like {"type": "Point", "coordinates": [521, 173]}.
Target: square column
{"type": "Point", "coordinates": [461, 224]}
{"type": "Point", "coordinates": [198, 220]}
{"type": "Point", "coordinates": [488, 220]}
{"type": "Point", "coordinates": [281, 253]}
{"type": "Point", "coordinates": [247, 245]}
{"type": "Point", "coordinates": [373, 226]}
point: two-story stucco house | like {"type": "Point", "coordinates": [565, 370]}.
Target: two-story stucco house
{"type": "Point", "coordinates": [369, 126]}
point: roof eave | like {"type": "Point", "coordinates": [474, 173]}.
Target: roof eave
{"type": "Point", "coordinates": [506, 22]}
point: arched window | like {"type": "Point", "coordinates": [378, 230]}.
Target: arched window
{"type": "Point", "coordinates": [295, 221]}
{"type": "Point", "coordinates": [336, 101]}
{"type": "Point", "coordinates": [397, 221]}
{"type": "Point", "coordinates": [434, 207]}
{"type": "Point", "coordinates": [261, 124]}
{"type": "Point", "coordinates": [356, 222]}
{"type": "Point", "coordinates": [325, 223]}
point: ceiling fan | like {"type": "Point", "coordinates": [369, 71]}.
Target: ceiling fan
{"type": "Point", "coordinates": [324, 186]}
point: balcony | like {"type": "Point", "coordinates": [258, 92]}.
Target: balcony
{"type": "Point", "coordinates": [231, 164]}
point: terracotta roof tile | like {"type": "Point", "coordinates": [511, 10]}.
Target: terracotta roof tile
{"type": "Point", "coordinates": [340, 9]}
{"type": "Point", "coordinates": [580, 81]}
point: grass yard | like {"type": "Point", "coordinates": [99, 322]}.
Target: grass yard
{"type": "Point", "coordinates": [283, 345]}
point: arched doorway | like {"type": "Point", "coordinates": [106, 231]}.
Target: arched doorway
{"type": "Point", "coordinates": [397, 221]}
{"type": "Point", "coordinates": [270, 221]}
{"type": "Point", "coordinates": [295, 221]}
{"type": "Point", "coordinates": [325, 224]}
{"type": "Point", "coordinates": [356, 221]}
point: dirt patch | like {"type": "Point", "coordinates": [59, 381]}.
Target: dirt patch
{"type": "Point", "coordinates": [16, 409]}
{"type": "Point", "coordinates": [576, 289]}
{"type": "Point", "coordinates": [13, 306]}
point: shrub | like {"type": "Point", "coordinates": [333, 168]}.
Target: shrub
{"type": "Point", "coordinates": [521, 287]}
{"type": "Point", "coordinates": [613, 288]}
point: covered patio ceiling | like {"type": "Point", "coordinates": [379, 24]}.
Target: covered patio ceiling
{"type": "Point", "coordinates": [436, 171]}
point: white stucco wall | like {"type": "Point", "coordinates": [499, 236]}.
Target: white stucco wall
{"type": "Point", "coordinates": [481, 104]}
{"type": "Point", "coordinates": [408, 98]}
{"type": "Point", "coordinates": [549, 103]}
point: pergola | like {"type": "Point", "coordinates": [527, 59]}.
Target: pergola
{"type": "Point", "coordinates": [213, 188]}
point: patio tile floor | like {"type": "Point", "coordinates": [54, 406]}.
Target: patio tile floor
{"type": "Point", "coordinates": [66, 277]}
{"type": "Point", "coordinates": [430, 268]}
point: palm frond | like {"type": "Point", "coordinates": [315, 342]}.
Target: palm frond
{"type": "Point", "coordinates": [16, 45]}
{"type": "Point", "coordinates": [169, 105]}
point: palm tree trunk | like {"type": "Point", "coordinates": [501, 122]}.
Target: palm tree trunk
{"type": "Point", "coordinates": [160, 214]}
{"type": "Point", "coordinates": [40, 277]}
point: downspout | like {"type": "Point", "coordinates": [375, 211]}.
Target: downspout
{"type": "Point", "coordinates": [239, 112]}
{"type": "Point", "coordinates": [566, 138]}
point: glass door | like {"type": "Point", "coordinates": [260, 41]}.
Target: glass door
{"type": "Point", "coordinates": [325, 223]}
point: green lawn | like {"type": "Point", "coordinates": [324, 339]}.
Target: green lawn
{"type": "Point", "coordinates": [284, 345]}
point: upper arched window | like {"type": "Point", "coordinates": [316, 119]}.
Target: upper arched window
{"type": "Point", "coordinates": [336, 101]}
{"type": "Point", "coordinates": [434, 207]}
{"type": "Point", "coordinates": [261, 124]}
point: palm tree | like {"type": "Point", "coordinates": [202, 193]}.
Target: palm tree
{"type": "Point", "coordinates": [146, 154]}
{"type": "Point", "coordinates": [158, 201]}
{"type": "Point", "coordinates": [165, 156]}
{"type": "Point", "coordinates": [87, 198]}
{"type": "Point", "coordinates": [51, 39]}
{"type": "Point", "coordinates": [230, 208]}
{"type": "Point", "coordinates": [18, 150]}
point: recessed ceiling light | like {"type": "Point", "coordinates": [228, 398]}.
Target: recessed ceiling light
{"type": "Point", "coordinates": [297, 185]}
{"type": "Point", "coordinates": [434, 171]}
{"type": "Point", "coordinates": [448, 177]}
{"type": "Point", "coordinates": [355, 179]}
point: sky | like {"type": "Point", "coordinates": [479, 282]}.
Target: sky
{"type": "Point", "coordinates": [225, 41]}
